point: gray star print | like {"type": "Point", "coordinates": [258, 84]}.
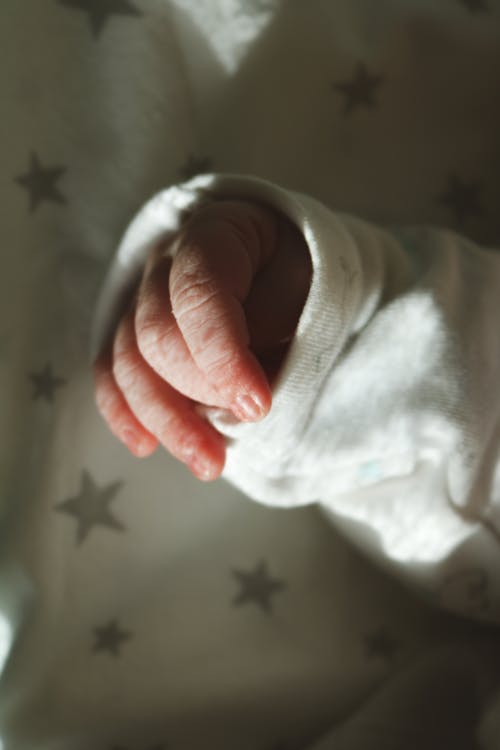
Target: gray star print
{"type": "Point", "coordinates": [100, 10]}
{"type": "Point", "coordinates": [195, 165]}
{"type": "Point", "coordinates": [360, 91]}
{"type": "Point", "coordinates": [380, 644]}
{"type": "Point", "coordinates": [45, 383]}
{"type": "Point", "coordinates": [257, 587]}
{"type": "Point", "coordinates": [91, 507]}
{"type": "Point", "coordinates": [462, 199]}
{"type": "Point", "coordinates": [40, 182]}
{"type": "Point", "coordinates": [475, 6]}
{"type": "Point", "coordinates": [110, 638]}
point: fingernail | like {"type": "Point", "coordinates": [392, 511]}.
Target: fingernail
{"type": "Point", "coordinates": [203, 469]}
{"type": "Point", "coordinates": [248, 408]}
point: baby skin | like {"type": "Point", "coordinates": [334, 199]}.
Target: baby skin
{"type": "Point", "coordinates": [208, 326]}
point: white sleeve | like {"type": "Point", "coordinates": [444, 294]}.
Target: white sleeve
{"type": "Point", "coordinates": [386, 410]}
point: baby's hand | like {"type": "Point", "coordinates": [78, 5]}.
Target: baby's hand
{"type": "Point", "coordinates": [208, 328]}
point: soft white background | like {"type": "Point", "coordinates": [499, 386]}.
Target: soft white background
{"type": "Point", "coordinates": [345, 654]}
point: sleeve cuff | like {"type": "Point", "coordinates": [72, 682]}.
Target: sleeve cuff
{"type": "Point", "coordinates": [259, 455]}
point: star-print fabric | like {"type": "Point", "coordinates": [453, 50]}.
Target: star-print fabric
{"type": "Point", "coordinates": [139, 608]}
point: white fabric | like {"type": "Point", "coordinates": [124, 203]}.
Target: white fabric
{"type": "Point", "coordinates": [142, 632]}
{"type": "Point", "coordinates": [383, 409]}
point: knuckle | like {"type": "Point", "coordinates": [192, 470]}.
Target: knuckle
{"type": "Point", "coordinates": [178, 436]}
{"type": "Point", "coordinates": [104, 391]}
{"type": "Point", "coordinates": [191, 287]}
{"type": "Point", "coordinates": [203, 326]}
{"type": "Point", "coordinates": [103, 399]}
{"type": "Point", "coordinates": [148, 411]}
{"type": "Point", "coordinates": [126, 369]}
{"type": "Point", "coordinates": [150, 336]}
{"type": "Point", "coordinates": [198, 305]}
{"type": "Point", "coordinates": [111, 408]}
{"type": "Point", "coordinates": [113, 415]}
{"type": "Point", "coordinates": [220, 367]}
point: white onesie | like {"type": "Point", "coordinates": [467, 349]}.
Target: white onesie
{"type": "Point", "coordinates": [386, 410]}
